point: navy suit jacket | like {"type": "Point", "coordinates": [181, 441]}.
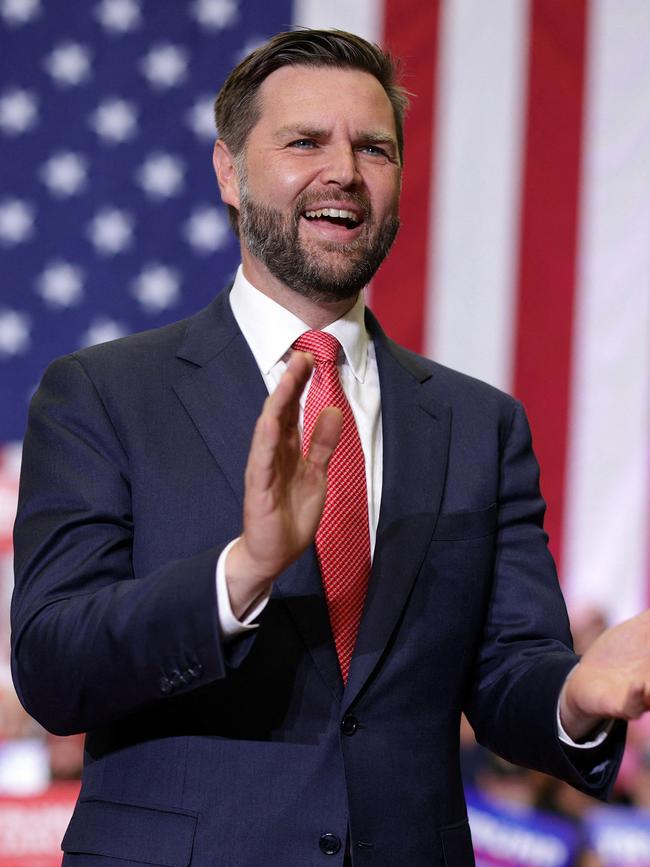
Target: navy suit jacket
{"type": "Point", "coordinates": [252, 752]}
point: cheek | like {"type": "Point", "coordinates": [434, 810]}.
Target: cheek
{"type": "Point", "coordinates": [394, 194]}
{"type": "Point", "coordinates": [279, 184]}
{"type": "Point", "coordinates": [385, 194]}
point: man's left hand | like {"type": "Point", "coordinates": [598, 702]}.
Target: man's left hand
{"type": "Point", "coordinates": [612, 680]}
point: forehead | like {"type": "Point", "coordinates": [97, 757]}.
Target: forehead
{"type": "Point", "coordinates": [322, 96]}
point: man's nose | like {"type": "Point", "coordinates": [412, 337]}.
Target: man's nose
{"type": "Point", "coordinates": [341, 166]}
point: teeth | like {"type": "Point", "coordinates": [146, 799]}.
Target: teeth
{"type": "Point", "coordinates": [333, 212]}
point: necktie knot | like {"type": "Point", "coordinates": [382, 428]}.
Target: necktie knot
{"type": "Point", "coordinates": [323, 346]}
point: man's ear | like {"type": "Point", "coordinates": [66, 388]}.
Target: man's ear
{"type": "Point", "coordinates": [226, 172]}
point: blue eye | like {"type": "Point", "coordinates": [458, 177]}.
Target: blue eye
{"type": "Point", "coordinates": [374, 150]}
{"type": "Point", "coordinates": [303, 143]}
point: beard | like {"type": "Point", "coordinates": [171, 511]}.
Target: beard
{"type": "Point", "coordinates": [325, 271]}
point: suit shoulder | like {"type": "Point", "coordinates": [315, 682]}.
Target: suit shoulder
{"type": "Point", "coordinates": [451, 385]}
{"type": "Point", "coordinates": [144, 353]}
{"type": "Point", "coordinates": [153, 342]}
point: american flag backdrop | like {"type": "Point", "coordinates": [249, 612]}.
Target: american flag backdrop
{"type": "Point", "coordinates": [524, 257]}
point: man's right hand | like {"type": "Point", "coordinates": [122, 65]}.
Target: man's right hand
{"type": "Point", "coordinates": [284, 491]}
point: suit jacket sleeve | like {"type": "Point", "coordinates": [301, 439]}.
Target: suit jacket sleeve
{"type": "Point", "coordinates": [90, 643]}
{"type": "Point", "coordinates": [525, 656]}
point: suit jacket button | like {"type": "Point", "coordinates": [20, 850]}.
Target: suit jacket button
{"type": "Point", "coordinates": [349, 724]}
{"type": "Point", "coordinates": [329, 844]}
{"type": "Point", "coordinates": [165, 685]}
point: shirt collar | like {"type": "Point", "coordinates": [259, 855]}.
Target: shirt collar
{"type": "Point", "coordinates": [271, 329]}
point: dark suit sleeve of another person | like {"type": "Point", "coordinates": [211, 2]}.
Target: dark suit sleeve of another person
{"type": "Point", "coordinates": [92, 644]}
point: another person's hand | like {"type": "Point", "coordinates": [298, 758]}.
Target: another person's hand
{"type": "Point", "coordinates": [284, 491]}
{"type": "Point", "coordinates": [612, 680]}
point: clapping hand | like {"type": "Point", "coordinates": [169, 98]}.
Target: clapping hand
{"type": "Point", "coordinates": [612, 680]}
{"type": "Point", "coordinates": [284, 490]}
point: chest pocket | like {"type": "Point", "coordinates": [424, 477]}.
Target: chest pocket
{"type": "Point", "coordinates": [457, 526]}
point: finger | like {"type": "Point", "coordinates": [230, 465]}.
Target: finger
{"type": "Point", "coordinates": [280, 413]}
{"type": "Point", "coordinates": [263, 450]}
{"type": "Point", "coordinates": [325, 437]}
{"type": "Point", "coordinates": [300, 365]}
{"type": "Point", "coordinates": [636, 703]}
{"type": "Point", "coordinates": [279, 418]}
{"type": "Point", "coordinates": [284, 403]}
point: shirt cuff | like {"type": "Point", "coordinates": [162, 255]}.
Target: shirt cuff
{"type": "Point", "coordinates": [230, 625]}
{"type": "Point", "coordinates": [583, 745]}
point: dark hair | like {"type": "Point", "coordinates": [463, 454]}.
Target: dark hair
{"type": "Point", "coordinates": [237, 107]}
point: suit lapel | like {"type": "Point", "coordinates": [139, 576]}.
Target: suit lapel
{"type": "Point", "coordinates": [221, 388]}
{"type": "Point", "coordinates": [416, 429]}
{"type": "Point", "coordinates": [223, 392]}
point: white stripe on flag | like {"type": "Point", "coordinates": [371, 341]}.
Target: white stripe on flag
{"type": "Point", "coordinates": [477, 186]}
{"type": "Point", "coordinates": [363, 17]}
{"type": "Point", "coordinates": [609, 473]}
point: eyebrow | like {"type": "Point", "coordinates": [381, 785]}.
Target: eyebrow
{"type": "Point", "coordinates": [301, 131]}
{"type": "Point", "coordinates": [378, 137]}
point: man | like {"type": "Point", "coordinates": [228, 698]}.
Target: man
{"type": "Point", "coordinates": [253, 696]}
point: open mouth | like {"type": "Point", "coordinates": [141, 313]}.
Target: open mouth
{"type": "Point", "coordinates": [335, 217]}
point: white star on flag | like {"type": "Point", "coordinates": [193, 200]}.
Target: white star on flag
{"type": "Point", "coordinates": [64, 174]}
{"type": "Point", "coordinates": [14, 332]}
{"type": "Point", "coordinates": [61, 284]}
{"type": "Point", "coordinates": [17, 12]}
{"type": "Point", "coordinates": [215, 14]}
{"type": "Point", "coordinates": [16, 221]}
{"type": "Point", "coordinates": [101, 330]}
{"type": "Point", "coordinates": [207, 229]}
{"type": "Point", "coordinates": [69, 64]}
{"type": "Point", "coordinates": [106, 128]}
{"type": "Point", "coordinates": [111, 231]}
{"type": "Point", "coordinates": [156, 288]}
{"type": "Point", "coordinates": [200, 118]}
{"type": "Point", "coordinates": [161, 175]}
{"type": "Point", "coordinates": [114, 120]}
{"type": "Point", "coordinates": [118, 16]}
{"type": "Point", "coordinates": [165, 66]}
{"type": "Point", "coordinates": [18, 111]}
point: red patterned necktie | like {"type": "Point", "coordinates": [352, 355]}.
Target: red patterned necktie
{"type": "Point", "coordinates": [342, 538]}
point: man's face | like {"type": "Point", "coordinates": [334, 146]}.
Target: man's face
{"type": "Point", "coordinates": [320, 179]}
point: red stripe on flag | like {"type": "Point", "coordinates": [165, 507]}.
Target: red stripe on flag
{"type": "Point", "coordinates": [399, 289]}
{"type": "Point", "coordinates": [549, 224]}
